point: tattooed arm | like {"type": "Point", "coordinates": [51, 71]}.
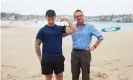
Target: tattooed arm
{"type": "Point", "coordinates": [38, 50]}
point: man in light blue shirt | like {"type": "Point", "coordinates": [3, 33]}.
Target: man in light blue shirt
{"type": "Point", "coordinates": [82, 38]}
{"type": "Point", "coordinates": [81, 54]}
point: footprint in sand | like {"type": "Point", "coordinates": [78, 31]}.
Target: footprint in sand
{"type": "Point", "coordinates": [124, 79]}
{"type": "Point", "coordinates": [110, 62]}
{"type": "Point", "coordinates": [129, 65]}
{"type": "Point", "coordinates": [99, 76]}
{"type": "Point", "coordinates": [8, 66]}
{"type": "Point", "coordinates": [9, 76]}
{"type": "Point", "coordinates": [38, 75]}
{"type": "Point", "coordinates": [114, 69]}
{"type": "Point", "coordinates": [119, 77]}
{"type": "Point", "coordinates": [107, 62]}
{"type": "Point", "coordinates": [33, 76]}
{"type": "Point", "coordinates": [117, 60]}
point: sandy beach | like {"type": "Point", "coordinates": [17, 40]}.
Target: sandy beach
{"type": "Point", "coordinates": [112, 60]}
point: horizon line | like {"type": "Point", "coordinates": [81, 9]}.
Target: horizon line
{"type": "Point", "coordinates": [66, 15]}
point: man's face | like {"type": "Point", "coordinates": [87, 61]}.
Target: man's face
{"type": "Point", "coordinates": [51, 19]}
{"type": "Point", "coordinates": [79, 17]}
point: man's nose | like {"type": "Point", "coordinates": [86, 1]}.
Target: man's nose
{"type": "Point", "coordinates": [79, 17]}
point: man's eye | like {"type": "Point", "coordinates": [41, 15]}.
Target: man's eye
{"type": "Point", "coordinates": [79, 16]}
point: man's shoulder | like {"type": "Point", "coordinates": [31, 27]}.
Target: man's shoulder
{"type": "Point", "coordinates": [41, 28]}
{"type": "Point", "coordinates": [89, 25]}
{"type": "Point", "coordinates": [59, 26]}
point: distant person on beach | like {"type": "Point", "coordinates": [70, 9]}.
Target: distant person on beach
{"type": "Point", "coordinates": [36, 21]}
{"type": "Point", "coordinates": [50, 35]}
{"type": "Point", "coordinates": [81, 53]}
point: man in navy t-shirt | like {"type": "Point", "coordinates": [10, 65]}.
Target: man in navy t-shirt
{"type": "Point", "coordinates": [50, 36]}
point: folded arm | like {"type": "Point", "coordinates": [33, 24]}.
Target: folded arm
{"type": "Point", "coordinates": [71, 28]}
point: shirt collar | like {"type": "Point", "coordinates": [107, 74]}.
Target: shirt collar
{"type": "Point", "coordinates": [82, 25]}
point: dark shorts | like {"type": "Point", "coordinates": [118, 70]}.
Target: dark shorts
{"type": "Point", "coordinates": [56, 65]}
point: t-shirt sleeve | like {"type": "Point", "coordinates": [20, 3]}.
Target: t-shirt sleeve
{"type": "Point", "coordinates": [63, 29]}
{"type": "Point", "coordinates": [96, 33]}
{"type": "Point", "coordinates": [40, 35]}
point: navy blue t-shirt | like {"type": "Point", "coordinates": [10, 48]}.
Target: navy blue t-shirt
{"type": "Point", "coordinates": [51, 38]}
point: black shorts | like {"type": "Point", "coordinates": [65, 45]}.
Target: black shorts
{"type": "Point", "coordinates": [56, 66]}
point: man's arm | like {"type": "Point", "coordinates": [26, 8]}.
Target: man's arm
{"type": "Point", "coordinates": [71, 28]}
{"type": "Point", "coordinates": [38, 50]}
{"type": "Point", "coordinates": [95, 45]}
{"type": "Point", "coordinates": [99, 36]}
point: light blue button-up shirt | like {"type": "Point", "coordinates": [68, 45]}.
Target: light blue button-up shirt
{"type": "Point", "coordinates": [82, 38]}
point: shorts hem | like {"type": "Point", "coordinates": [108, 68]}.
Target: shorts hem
{"type": "Point", "coordinates": [59, 72]}
{"type": "Point", "coordinates": [47, 73]}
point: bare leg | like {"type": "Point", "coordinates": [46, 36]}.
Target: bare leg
{"type": "Point", "coordinates": [59, 76]}
{"type": "Point", "coordinates": [48, 77]}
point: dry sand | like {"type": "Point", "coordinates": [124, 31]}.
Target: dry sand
{"type": "Point", "coordinates": [112, 60]}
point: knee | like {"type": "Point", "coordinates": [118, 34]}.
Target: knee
{"type": "Point", "coordinates": [86, 72]}
{"type": "Point", "coordinates": [48, 77]}
{"type": "Point", "coordinates": [75, 73]}
{"type": "Point", "coordinates": [59, 76]}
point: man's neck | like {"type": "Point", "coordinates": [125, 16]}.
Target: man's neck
{"type": "Point", "coordinates": [51, 25]}
{"type": "Point", "coordinates": [80, 24]}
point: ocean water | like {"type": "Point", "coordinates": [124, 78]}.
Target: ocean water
{"type": "Point", "coordinates": [39, 24]}
{"type": "Point", "coordinates": [100, 25]}
{"type": "Point", "coordinates": [111, 24]}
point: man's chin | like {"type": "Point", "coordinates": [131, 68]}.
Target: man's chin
{"type": "Point", "coordinates": [52, 23]}
{"type": "Point", "coordinates": [80, 21]}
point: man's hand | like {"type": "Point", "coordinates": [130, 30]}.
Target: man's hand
{"type": "Point", "coordinates": [91, 48]}
{"type": "Point", "coordinates": [94, 46]}
{"type": "Point", "coordinates": [40, 58]}
{"type": "Point", "coordinates": [63, 19]}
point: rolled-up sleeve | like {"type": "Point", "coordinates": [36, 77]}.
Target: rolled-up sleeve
{"type": "Point", "coordinates": [40, 35]}
{"type": "Point", "coordinates": [96, 33]}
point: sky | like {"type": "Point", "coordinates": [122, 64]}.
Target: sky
{"type": "Point", "coordinates": [67, 7]}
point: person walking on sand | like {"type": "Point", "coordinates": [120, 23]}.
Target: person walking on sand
{"type": "Point", "coordinates": [81, 53]}
{"type": "Point", "coordinates": [50, 36]}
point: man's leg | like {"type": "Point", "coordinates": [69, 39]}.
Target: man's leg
{"type": "Point", "coordinates": [59, 68]}
{"type": "Point", "coordinates": [85, 65]}
{"type": "Point", "coordinates": [75, 65]}
{"type": "Point", "coordinates": [59, 76]}
{"type": "Point", "coordinates": [47, 70]}
{"type": "Point", "coordinates": [48, 77]}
